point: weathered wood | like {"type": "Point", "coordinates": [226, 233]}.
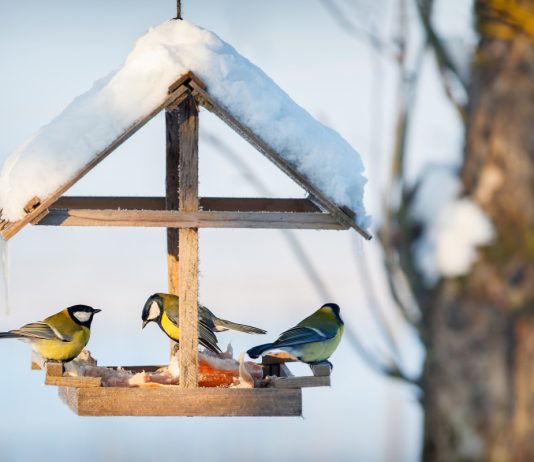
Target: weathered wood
{"type": "Point", "coordinates": [284, 371]}
{"type": "Point", "coordinates": [13, 228]}
{"type": "Point", "coordinates": [54, 374]}
{"type": "Point", "coordinates": [188, 248]}
{"type": "Point", "coordinates": [213, 106]}
{"type": "Point", "coordinates": [32, 204]}
{"type": "Point", "coordinates": [220, 204]}
{"type": "Point", "coordinates": [278, 358]}
{"type": "Point", "coordinates": [53, 369]}
{"type": "Point", "coordinates": [301, 382]}
{"type": "Point", "coordinates": [176, 401]}
{"type": "Point", "coordinates": [321, 370]}
{"type": "Point", "coordinates": [171, 201]}
{"type": "Point", "coordinates": [78, 382]}
{"type": "Point", "coordinates": [200, 219]}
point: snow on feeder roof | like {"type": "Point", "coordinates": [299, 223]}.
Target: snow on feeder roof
{"type": "Point", "coordinates": [35, 175]}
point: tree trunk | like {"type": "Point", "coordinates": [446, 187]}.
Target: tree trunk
{"type": "Point", "coordinates": [478, 379]}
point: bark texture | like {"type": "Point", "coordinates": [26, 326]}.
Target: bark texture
{"type": "Point", "coordinates": [478, 379]}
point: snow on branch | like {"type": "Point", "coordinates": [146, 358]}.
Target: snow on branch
{"type": "Point", "coordinates": [453, 227]}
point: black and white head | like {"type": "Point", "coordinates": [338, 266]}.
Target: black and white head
{"type": "Point", "coordinates": [336, 311]}
{"type": "Point", "coordinates": [82, 314]}
{"type": "Point", "coordinates": [152, 310]}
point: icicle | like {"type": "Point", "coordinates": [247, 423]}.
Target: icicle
{"type": "Point", "coordinates": [4, 277]}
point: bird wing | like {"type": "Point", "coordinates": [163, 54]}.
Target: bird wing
{"type": "Point", "coordinates": [41, 330]}
{"type": "Point", "coordinates": [299, 335]}
{"type": "Point", "coordinates": [206, 336]}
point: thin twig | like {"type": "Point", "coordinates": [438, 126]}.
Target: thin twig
{"type": "Point", "coordinates": [358, 31]}
{"type": "Point", "coordinates": [292, 240]}
{"type": "Point", "coordinates": [375, 307]}
{"type": "Point", "coordinates": [446, 65]}
{"type": "Point", "coordinates": [374, 363]}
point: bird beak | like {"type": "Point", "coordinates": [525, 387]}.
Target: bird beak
{"type": "Point", "coordinates": [96, 311]}
{"type": "Point", "coordinates": [144, 324]}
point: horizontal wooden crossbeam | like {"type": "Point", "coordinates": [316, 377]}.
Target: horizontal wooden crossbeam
{"type": "Point", "coordinates": [222, 204]}
{"type": "Point", "coordinates": [200, 219]}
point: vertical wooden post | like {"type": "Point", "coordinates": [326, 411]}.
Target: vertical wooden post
{"type": "Point", "coordinates": [172, 187]}
{"type": "Point", "coordinates": [182, 190]}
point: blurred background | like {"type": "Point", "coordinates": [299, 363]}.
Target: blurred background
{"type": "Point", "coordinates": [393, 78]}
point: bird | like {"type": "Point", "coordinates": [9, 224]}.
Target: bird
{"type": "Point", "coordinates": [311, 341]}
{"type": "Point", "coordinates": [163, 309]}
{"type": "Point", "coordinates": [60, 337]}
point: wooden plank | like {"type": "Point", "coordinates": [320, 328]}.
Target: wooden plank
{"type": "Point", "coordinates": [284, 371]}
{"type": "Point", "coordinates": [221, 204]}
{"type": "Point", "coordinates": [54, 374]}
{"type": "Point", "coordinates": [53, 369]}
{"type": "Point", "coordinates": [321, 370]}
{"type": "Point", "coordinates": [171, 200]}
{"type": "Point", "coordinates": [78, 382]}
{"type": "Point", "coordinates": [200, 219]}
{"type": "Point", "coordinates": [13, 228]}
{"type": "Point", "coordinates": [213, 106]}
{"type": "Point", "coordinates": [176, 401]}
{"type": "Point", "coordinates": [188, 248]}
{"type": "Point", "coordinates": [301, 382]}
{"type": "Point", "coordinates": [278, 358]}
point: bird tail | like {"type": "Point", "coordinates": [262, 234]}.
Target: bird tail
{"type": "Point", "coordinates": [222, 325]}
{"type": "Point", "coordinates": [9, 335]}
{"type": "Point", "coordinates": [256, 351]}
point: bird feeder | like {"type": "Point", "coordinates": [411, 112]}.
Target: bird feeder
{"type": "Point", "coordinates": [183, 212]}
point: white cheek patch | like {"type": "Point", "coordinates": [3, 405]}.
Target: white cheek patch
{"type": "Point", "coordinates": [82, 316]}
{"type": "Point", "coordinates": [154, 311]}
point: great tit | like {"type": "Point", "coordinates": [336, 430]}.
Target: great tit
{"type": "Point", "coordinates": [163, 310]}
{"type": "Point", "coordinates": [60, 337]}
{"type": "Point", "coordinates": [313, 340]}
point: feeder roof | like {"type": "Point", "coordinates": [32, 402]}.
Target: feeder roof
{"type": "Point", "coordinates": [71, 144]}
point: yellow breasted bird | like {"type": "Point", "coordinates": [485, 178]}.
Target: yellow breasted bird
{"type": "Point", "coordinates": [60, 337]}
{"type": "Point", "coordinates": [163, 310]}
{"type": "Point", "coordinates": [313, 340]}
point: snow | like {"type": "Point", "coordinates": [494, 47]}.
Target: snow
{"type": "Point", "coordinates": [454, 227]}
{"type": "Point", "coordinates": [158, 59]}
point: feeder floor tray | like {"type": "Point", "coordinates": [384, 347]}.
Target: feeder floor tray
{"type": "Point", "coordinates": [176, 401]}
{"type": "Point", "coordinates": [280, 395]}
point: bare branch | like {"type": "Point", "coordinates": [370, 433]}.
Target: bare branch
{"type": "Point", "coordinates": [358, 31]}
{"type": "Point", "coordinates": [374, 363]}
{"type": "Point", "coordinates": [446, 65]}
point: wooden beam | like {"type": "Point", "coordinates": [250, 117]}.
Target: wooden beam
{"type": "Point", "coordinates": [221, 204]}
{"type": "Point", "coordinates": [175, 401]}
{"type": "Point", "coordinates": [171, 199]}
{"type": "Point", "coordinates": [200, 219]}
{"type": "Point", "coordinates": [301, 382]}
{"type": "Point", "coordinates": [179, 88]}
{"type": "Point", "coordinates": [213, 106]}
{"type": "Point", "coordinates": [188, 238]}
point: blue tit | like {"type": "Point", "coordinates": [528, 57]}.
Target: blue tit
{"type": "Point", "coordinates": [163, 309]}
{"type": "Point", "coordinates": [60, 337]}
{"type": "Point", "coordinates": [313, 340]}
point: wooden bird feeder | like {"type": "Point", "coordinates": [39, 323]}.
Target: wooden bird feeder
{"type": "Point", "coordinates": [182, 212]}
